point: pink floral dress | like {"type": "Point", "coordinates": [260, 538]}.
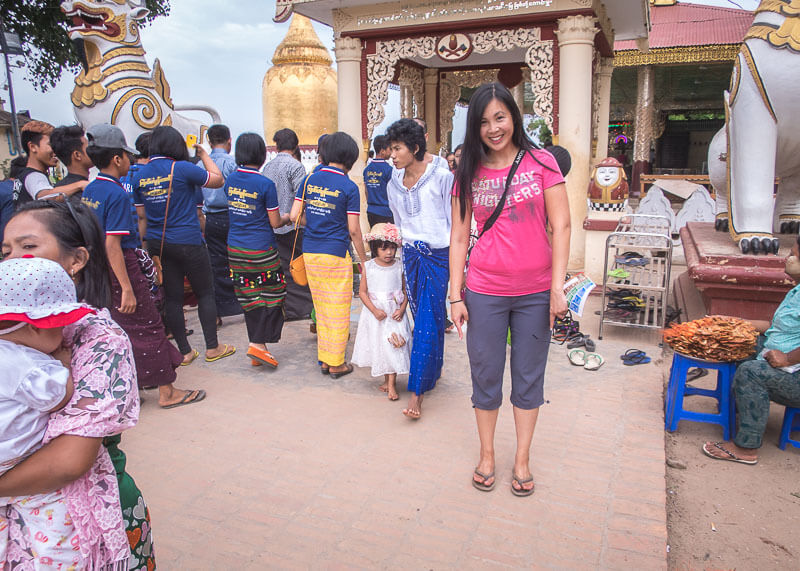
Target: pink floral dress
{"type": "Point", "coordinates": [105, 403]}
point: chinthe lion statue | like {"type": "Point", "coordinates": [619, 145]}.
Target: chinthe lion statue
{"type": "Point", "coordinates": [116, 85]}
{"type": "Point", "coordinates": [761, 137]}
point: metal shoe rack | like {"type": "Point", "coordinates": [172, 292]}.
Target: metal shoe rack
{"type": "Point", "coordinates": [648, 235]}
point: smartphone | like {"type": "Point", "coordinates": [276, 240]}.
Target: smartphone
{"type": "Point", "coordinates": [191, 140]}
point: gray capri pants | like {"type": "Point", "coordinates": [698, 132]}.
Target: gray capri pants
{"type": "Point", "coordinates": [489, 319]}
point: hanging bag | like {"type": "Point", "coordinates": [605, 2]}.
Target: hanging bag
{"type": "Point", "coordinates": [297, 266]}
{"type": "Point", "coordinates": [159, 275]}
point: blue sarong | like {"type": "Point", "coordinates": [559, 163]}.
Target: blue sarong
{"type": "Point", "coordinates": [427, 273]}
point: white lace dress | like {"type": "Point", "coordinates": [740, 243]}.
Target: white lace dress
{"type": "Point", "coordinates": [372, 347]}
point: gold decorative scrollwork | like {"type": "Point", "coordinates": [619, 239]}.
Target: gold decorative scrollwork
{"type": "Point", "coordinates": [130, 82]}
{"type": "Point", "coordinates": [688, 54]}
{"type": "Point", "coordinates": [145, 110]}
{"type": "Point", "coordinates": [162, 87]}
{"type": "Point", "coordinates": [784, 7]}
{"type": "Point", "coordinates": [126, 66]}
{"type": "Point", "coordinates": [123, 51]}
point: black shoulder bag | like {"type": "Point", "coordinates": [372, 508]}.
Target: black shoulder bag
{"type": "Point", "coordinates": [499, 208]}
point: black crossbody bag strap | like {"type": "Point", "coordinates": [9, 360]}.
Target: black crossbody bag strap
{"type": "Point", "coordinates": [499, 208]}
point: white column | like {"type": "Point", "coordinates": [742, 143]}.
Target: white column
{"type": "Point", "coordinates": [604, 71]}
{"type": "Point", "coordinates": [406, 103]}
{"type": "Point", "coordinates": [575, 42]}
{"type": "Point", "coordinates": [348, 68]}
{"type": "Point", "coordinates": [431, 78]}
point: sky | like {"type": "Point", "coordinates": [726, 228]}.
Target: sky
{"type": "Point", "coordinates": [217, 56]}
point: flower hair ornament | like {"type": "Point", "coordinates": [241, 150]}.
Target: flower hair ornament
{"type": "Point", "coordinates": [384, 232]}
{"type": "Point", "coordinates": [38, 291]}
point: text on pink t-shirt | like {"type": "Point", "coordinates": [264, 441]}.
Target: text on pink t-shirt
{"type": "Point", "coordinates": [514, 256]}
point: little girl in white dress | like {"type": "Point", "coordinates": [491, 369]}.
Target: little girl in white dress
{"type": "Point", "coordinates": [383, 329]}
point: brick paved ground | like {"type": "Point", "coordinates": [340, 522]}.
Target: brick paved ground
{"type": "Point", "coordinates": [290, 469]}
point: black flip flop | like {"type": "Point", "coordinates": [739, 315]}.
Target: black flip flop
{"type": "Point", "coordinates": [341, 373]}
{"type": "Point", "coordinates": [199, 395]}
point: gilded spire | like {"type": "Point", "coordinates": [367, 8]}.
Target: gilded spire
{"type": "Point", "coordinates": [301, 45]}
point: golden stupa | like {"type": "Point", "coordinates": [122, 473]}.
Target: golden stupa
{"type": "Point", "coordinates": [299, 90]}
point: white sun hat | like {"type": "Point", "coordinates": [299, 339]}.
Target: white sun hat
{"type": "Point", "coordinates": [38, 291]}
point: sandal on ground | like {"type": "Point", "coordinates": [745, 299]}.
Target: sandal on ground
{"type": "Point", "coordinates": [634, 357]}
{"type": "Point", "coordinates": [324, 370]}
{"type": "Point", "coordinates": [483, 486]}
{"type": "Point", "coordinates": [264, 357]}
{"type": "Point", "coordinates": [195, 354]}
{"type": "Point", "coordinates": [190, 397]}
{"type": "Point", "coordinates": [577, 357]}
{"type": "Point", "coordinates": [708, 448]}
{"type": "Point", "coordinates": [347, 371]}
{"type": "Point", "coordinates": [582, 341]}
{"type": "Point", "coordinates": [522, 492]}
{"type": "Point", "coordinates": [593, 362]}
{"type": "Point", "coordinates": [227, 352]}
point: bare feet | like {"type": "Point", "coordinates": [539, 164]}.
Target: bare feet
{"type": "Point", "coordinates": [391, 386]}
{"type": "Point", "coordinates": [414, 408]}
{"type": "Point", "coordinates": [384, 387]}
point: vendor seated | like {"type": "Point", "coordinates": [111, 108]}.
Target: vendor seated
{"type": "Point", "coordinates": [772, 375]}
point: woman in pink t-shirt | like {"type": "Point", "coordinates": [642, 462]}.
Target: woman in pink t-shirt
{"type": "Point", "coordinates": [516, 271]}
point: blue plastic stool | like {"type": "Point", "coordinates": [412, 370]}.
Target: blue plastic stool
{"type": "Point", "coordinates": [791, 422]}
{"type": "Point", "coordinates": [677, 390]}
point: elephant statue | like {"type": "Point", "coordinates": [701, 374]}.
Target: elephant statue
{"type": "Point", "coordinates": [761, 137]}
{"type": "Point", "coordinates": [116, 84]}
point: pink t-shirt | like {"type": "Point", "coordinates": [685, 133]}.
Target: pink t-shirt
{"type": "Point", "coordinates": [514, 257]}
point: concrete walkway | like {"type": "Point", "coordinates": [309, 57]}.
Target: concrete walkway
{"type": "Point", "coordinates": [291, 469]}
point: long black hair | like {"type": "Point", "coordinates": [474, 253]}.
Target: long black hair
{"type": "Point", "coordinates": [75, 226]}
{"type": "Point", "coordinates": [473, 151]}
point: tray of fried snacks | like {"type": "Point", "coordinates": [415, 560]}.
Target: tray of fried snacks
{"type": "Point", "coordinates": [715, 338]}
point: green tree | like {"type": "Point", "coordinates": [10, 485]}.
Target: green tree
{"type": "Point", "coordinates": [539, 131]}
{"type": "Point", "coordinates": [42, 27]}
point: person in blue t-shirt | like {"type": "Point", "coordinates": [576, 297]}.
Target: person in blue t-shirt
{"type": "Point", "coordinates": [168, 199]}
{"type": "Point", "coordinates": [377, 175]}
{"type": "Point", "coordinates": [258, 279]}
{"type": "Point", "coordinates": [215, 209]}
{"type": "Point", "coordinates": [132, 305]}
{"type": "Point", "coordinates": [329, 202]}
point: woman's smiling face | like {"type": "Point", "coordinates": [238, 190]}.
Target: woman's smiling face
{"type": "Point", "coordinates": [497, 127]}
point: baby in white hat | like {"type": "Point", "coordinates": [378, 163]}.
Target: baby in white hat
{"type": "Point", "coordinates": [37, 299]}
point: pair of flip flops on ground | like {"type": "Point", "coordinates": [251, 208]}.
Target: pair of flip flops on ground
{"type": "Point", "coordinates": [484, 487]}
{"type": "Point", "coordinates": [634, 357]}
{"type": "Point", "coordinates": [589, 361]}
{"type": "Point", "coordinates": [581, 340]}
{"type": "Point", "coordinates": [227, 352]}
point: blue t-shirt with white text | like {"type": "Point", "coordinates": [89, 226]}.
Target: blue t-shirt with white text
{"type": "Point", "coordinates": [107, 198]}
{"type": "Point", "coordinates": [150, 186]}
{"type": "Point", "coordinates": [330, 198]}
{"type": "Point", "coordinates": [377, 175]}
{"type": "Point", "coordinates": [251, 196]}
